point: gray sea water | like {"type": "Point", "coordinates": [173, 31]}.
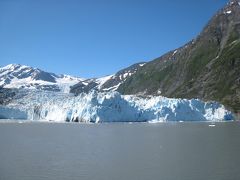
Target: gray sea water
{"type": "Point", "coordinates": [120, 151]}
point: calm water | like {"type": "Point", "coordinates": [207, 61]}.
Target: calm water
{"type": "Point", "coordinates": [172, 151]}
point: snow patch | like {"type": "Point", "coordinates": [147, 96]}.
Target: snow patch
{"type": "Point", "coordinates": [142, 64]}
{"type": "Point", "coordinates": [113, 88]}
{"type": "Point", "coordinates": [102, 80]}
{"type": "Point", "coordinates": [125, 75]}
{"type": "Point", "coordinates": [227, 12]}
{"type": "Point", "coordinates": [85, 83]}
{"type": "Point", "coordinates": [174, 52]}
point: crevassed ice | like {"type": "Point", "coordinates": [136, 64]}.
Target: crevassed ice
{"type": "Point", "coordinates": [111, 107]}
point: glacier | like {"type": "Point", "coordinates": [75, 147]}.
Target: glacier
{"type": "Point", "coordinates": [110, 106]}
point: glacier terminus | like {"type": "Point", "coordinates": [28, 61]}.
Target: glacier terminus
{"type": "Point", "coordinates": [32, 94]}
{"type": "Point", "coordinates": [109, 107]}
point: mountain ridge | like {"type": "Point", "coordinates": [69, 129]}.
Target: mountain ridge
{"type": "Point", "coordinates": [206, 67]}
{"type": "Point", "coordinates": [22, 76]}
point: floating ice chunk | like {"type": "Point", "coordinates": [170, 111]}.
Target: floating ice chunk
{"type": "Point", "coordinates": [211, 125]}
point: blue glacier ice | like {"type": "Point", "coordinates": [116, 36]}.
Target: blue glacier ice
{"type": "Point", "coordinates": [110, 107]}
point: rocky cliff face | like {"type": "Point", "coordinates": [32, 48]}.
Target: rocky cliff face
{"type": "Point", "coordinates": [207, 67]}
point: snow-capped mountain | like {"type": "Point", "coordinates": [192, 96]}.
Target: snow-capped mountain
{"type": "Point", "coordinates": [206, 68]}
{"type": "Point", "coordinates": [26, 77]}
{"type": "Point", "coordinates": [108, 107]}
{"type": "Point", "coordinates": [32, 94]}
{"type": "Point", "coordinates": [21, 76]}
{"type": "Point", "coordinates": [107, 83]}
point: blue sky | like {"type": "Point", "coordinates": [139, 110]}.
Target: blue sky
{"type": "Point", "coordinates": [93, 38]}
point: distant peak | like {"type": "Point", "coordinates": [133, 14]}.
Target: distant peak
{"type": "Point", "coordinates": [232, 7]}
{"type": "Point", "coordinates": [14, 66]}
{"type": "Point", "coordinates": [11, 66]}
{"type": "Point", "coordinates": [234, 2]}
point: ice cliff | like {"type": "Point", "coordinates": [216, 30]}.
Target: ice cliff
{"type": "Point", "coordinates": [109, 107]}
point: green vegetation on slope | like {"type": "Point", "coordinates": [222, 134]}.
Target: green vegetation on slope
{"type": "Point", "coordinates": [207, 68]}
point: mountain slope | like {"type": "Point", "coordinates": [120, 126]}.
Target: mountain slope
{"type": "Point", "coordinates": [21, 76]}
{"type": "Point", "coordinates": [16, 76]}
{"type": "Point", "coordinates": [107, 83]}
{"type": "Point", "coordinates": [207, 67]}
